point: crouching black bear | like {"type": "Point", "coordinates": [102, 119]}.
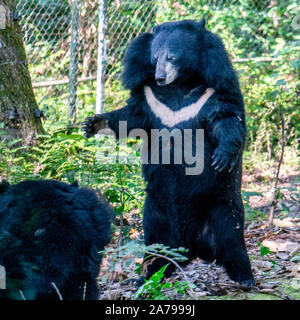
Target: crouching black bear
{"type": "Point", "coordinates": [50, 237]}
{"type": "Point", "coordinates": [181, 80]}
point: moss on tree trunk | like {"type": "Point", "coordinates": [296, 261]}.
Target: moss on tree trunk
{"type": "Point", "coordinates": [17, 101]}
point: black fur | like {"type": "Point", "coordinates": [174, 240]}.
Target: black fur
{"type": "Point", "coordinates": [141, 69]}
{"type": "Point", "coordinates": [203, 213]}
{"type": "Point", "coordinates": [52, 232]}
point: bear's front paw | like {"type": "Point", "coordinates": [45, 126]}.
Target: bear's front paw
{"type": "Point", "coordinates": [92, 125]}
{"type": "Point", "coordinates": [223, 160]}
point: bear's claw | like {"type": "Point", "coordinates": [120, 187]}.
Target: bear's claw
{"type": "Point", "coordinates": [92, 125]}
{"type": "Point", "coordinates": [223, 161]}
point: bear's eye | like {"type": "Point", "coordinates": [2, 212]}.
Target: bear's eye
{"type": "Point", "coordinates": [171, 58]}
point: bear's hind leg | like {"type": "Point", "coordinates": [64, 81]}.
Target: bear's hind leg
{"type": "Point", "coordinates": [226, 223]}
{"type": "Point", "coordinates": [157, 229]}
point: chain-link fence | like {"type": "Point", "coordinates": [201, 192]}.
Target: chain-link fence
{"type": "Point", "coordinates": [47, 26]}
{"type": "Point", "coordinates": [61, 46]}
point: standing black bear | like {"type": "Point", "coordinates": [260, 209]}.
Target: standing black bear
{"type": "Point", "coordinates": [50, 236]}
{"type": "Point", "coordinates": [180, 77]}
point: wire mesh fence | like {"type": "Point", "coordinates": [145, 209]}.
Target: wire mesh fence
{"type": "Point", "coordinates": [47, 27]}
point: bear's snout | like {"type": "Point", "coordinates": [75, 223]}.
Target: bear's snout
{"type": "Point", "coordinates": [160, 74]}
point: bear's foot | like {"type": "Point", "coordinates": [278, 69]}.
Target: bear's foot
{"type": "Point", "coordinates": [247, 283]}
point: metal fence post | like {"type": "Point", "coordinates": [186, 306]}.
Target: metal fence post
{"type": "Point", "coordinates": [73, 71]}
{"type": "Point", "coordinates": [101, 57]}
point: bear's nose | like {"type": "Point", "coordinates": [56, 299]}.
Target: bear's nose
{"type": "Point", "coordinates": [160, 79]}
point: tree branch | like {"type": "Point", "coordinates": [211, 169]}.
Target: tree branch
{"type": "Point", "coordinates": [275, 197]}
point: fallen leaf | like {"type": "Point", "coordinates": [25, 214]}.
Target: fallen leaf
{"type": "Point", "coordinates": [269, 285]}
{"type": "Point", "coordinates": [118, 268]}
{"type": "Point", "coordinates": [282, 255]}
{"type": "Point", "coordinates": [280, 245]}
{"type": "Point", "coordinates": [266, 265]}
{"type": "Point", "coordinates": [284, 223]}
{"type": "Point", "coordinates": [295, 251]}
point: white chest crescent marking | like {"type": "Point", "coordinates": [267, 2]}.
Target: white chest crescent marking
{"type": "Point", "coordinates": [171, 118]}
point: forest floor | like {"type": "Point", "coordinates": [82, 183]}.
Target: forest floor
{"type": "Point", "coordinates": [274, 254]}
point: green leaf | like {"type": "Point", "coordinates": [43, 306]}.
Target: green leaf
{"type": "Point", "coordinates": [264, 250]}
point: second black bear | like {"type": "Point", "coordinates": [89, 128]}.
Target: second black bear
{"type": "Point", "coordinates": [180, 77]}
{"type": "Point", "coordinates": [50, 237]}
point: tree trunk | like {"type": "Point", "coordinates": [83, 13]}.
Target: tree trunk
{"type": "Point", "coordinates": [18, 108]}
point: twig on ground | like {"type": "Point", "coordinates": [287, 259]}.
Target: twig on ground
{"type": "Point", "coordinates": [84, 291]}
{"type": "Point", "coordinates": [22, 295]}
{"type": "Point", "coordinates": [122, 200]}
{"type": "Point", "coordinates": [275, 197]}
{"type": "Point", "coordinates": [119, 241]}
{"type": "Point", "coordinates": [57, 291]}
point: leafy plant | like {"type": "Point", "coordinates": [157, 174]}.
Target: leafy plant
{"type": "Point", "coordinates": [156, 288]}
{"type": "Point", "coordinates": [133, 249]}
{"type": "Point", "coordinates": [153, 288]}
{"type": "Point", "coordinates": [265, 251]}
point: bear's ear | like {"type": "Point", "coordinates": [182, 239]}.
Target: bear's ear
{"type": "Point", "coordinates": [4, 186]}
{"type": "Point", "coordinates": [75, 184]}
{"type": "Point", "coordinates": [215, 66]}
{"type": "Point", "coordinates": [137, 62]}
{"type": "Point", "coordinates": [202, 24]}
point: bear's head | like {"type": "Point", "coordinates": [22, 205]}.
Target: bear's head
{"type": "Point", "coordinates": [174, 50]}
{"type": "Point", "coordinates": [177, 52]}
